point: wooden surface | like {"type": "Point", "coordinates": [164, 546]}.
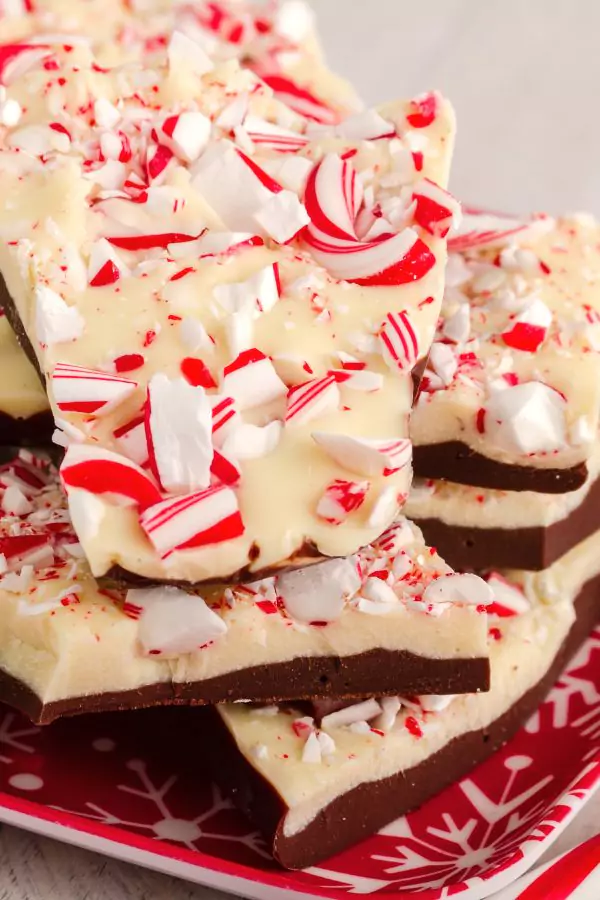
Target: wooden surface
{"type": "Point", "coordinates": [524, 79]}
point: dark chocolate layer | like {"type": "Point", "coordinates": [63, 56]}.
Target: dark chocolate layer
{"type": "Point", "coordinates": [376, 672]}
{"type": "Point", "coordinates": [455, 461]}
{"type": "Point", "coordinates": [33, 431]}
{"type": "Point", "coordinates": [370, 806]}
{"type": "Point", "coordinates": [514, 548]}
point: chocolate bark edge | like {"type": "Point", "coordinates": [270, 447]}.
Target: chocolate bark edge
{"type": "Point", "coordinates": [533, 549]}
{"type": "Point", "coordinates": [368, 807]}
{"type": "Point", "coordinates": [9, 308]}
{"type": "Point", "coordinates": [33, 431]}
{"type": "Point", "coordinates": [377, 672]}
{"type": "Point", "coordinates": [455, 461]}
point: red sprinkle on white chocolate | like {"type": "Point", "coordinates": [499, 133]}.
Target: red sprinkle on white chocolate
{"type": "Point", "coordinates": [55, 323]}
{"type": "Point", "coordinates": [466, 589]}
{"type": "Point", "coordinates": [366, 456]}
{"type": "Point", "coordinates": [251, 380]}
{"type": "Point", "coordinates": [312, 399]}
{"type": "Point", "coordinates": [179, 433]}
{"type": "Point", "coordinates": [107, 474]}
{"type": "Point", "coordinates": [89, 391]}
{"type": "Point", "coordinates": [340, 499]}
{"type": "Point", "coordinates": [317, 593]}
{"type": "Point", "coordinates": [193, 520]}
{"type": "Point", "coordinates": [509, 599]}
{"type": "Point", "coordinates": [399, 341]}
{"type": "Point", "coordinates": [526, 418]}
{"type": "Point", "coordinates": [173, 622]}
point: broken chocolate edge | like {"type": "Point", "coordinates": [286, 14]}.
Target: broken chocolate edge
{"type": "Point", "coordinates": [376, 672]}
{"type": "Point", "coordinates": [361, 811]}
{"type": "Point", "coordinates": [455, 461]}
{"type": "Point", "coordinates": [533, 549]}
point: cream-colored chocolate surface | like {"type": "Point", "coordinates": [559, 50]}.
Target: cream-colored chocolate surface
{"type": "Point", "coordinates": [552, 263]}
{"type": "Point", "coordinates": [63, 637]}
{"type": "Point", "coordinates": [21, 393]}
{"type": "Point", "coordinates": [360, 754]}
{"type": "Point", "coordinates": [54, 213]}
{"type": "Point", "coordinates": [471, 507]}
{"type": "Point", "coordinates": [277, 40]}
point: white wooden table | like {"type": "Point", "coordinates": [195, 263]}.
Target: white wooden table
{"type": "Point", "coordinates": [524, 77]}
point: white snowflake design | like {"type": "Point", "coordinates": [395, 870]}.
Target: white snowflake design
{"type": "Point", "coordinates": [13, 734]}
{"type": "Point", "coordinates": [458, 852]}
{"type": "Point", "coordinates": [169, 827]}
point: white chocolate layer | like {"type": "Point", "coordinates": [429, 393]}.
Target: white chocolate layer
{"type": "Point", "coordinates": [63, 637]}
{"type": "Point", "coordinates": [315, 318]}
{"type": "Point", "coordinates": [550, 273]}
{"type": "Point", "coordinates": [21, 393]}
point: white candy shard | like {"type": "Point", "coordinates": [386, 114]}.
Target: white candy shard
{"type": "Point", "coordinates": [442, 360]}
{"type": "Point", "coordinates": [366, 456]}
{"type": "Point", "coordinates": [526, 418]}
{"type": "Point", "coordinates": [251, 380]}
{"type": "Point", "coordinates": [317, 593]}
{"type": "Point", "coordinates": [464, 589]}
{"type": "Point", "coordinates": [252, 441]}
{"type": "Point", "coordinates": [390, 707]}
{"type": "Point", "coordinates": [173, 622]}
{"type": "Point", "coordinates": [282, 216]}
{"type": "Point", "coordinates": [55, 322]}
{"type": "Point", "coordinates": [358, 712]}
{"type": "Point", "coordinates": [187, 134]}
{"type": "Point", "coordinates": [184, 53]}
{"type": "Point", "coordinates": [179, 420]}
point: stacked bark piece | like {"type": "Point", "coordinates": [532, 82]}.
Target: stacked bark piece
{"type": "Point", "coordinates": [229, 278]}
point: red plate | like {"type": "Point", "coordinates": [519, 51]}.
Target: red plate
{"type": "Point", "coordinates": [133, 786]}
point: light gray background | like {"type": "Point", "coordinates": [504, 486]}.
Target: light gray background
{"type": "Point", "coordinates": [524, 76]}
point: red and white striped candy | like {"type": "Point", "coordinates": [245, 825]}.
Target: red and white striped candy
{"type": "Point", "coordinates": [81, 390]}
{"type": "Point", "coordinates": [193, 520]}
{"type": "Point", "coordinates": [399, 341]}
{"type": "Point", "coordinates": [508, 598]}
{"type": "Point", "coordinates": [186, 134]}
{"type": "Point", "coordinates": [273, 137]}
{"type": "Point", "coordinates": [172, 622]}
{"type": "Point", "coordinates": [385, 261]}
{"type": "Point", "coordinates": [179, 433]}
{"type": "Point", "coordinates": [158, 157]}
{"type": "Point", "coordinates": [366, 456]}
{"type": "Point", "coordinates": [340, 499]}
{"type": "Point", "coordinates": [479, 228]}
{"type": "Point", "coordinates": [436, 210]}
{"type": "Point", "coordinates": [104, 266]}
{"type": "Point", "coordinates": [333, 197]}
{"type": "Point", "coordinates": [131, 440]}
{"type": "Point", "coordinates": [224, 470]}
{"type": "Point", "coordinates": [300, 99]}
{"type": "Point", "coordinates": [225, 418]}
{"type": "Point", "coordinates": [312, 399]}
{"type": "Point", "coordinates": [107, 474]}
{"type": "Point", "coordinates": [365, 126]}
{"type": "Point", "coordinates": [358, 379]}
{"type": "Point", "coordinates": [529, 329]}
{"type": "Point", "coordinates": [251, 380]}
{"type": "Point", "coordinates": [16, 59]}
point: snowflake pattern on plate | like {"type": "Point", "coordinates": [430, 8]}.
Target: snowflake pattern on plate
{"type": "Point", "coordinates": [134, 782]}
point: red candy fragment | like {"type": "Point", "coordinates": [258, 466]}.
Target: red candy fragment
{"type": "Point", "coordinates": [340, 499]}
{"type": "Point", "coordinates": [81, 390]}
{"type": "Point", "coordinates": [103, 472]}
{"type": "Point", "coordinates": [423, 111]}
{"type": "Point", "coordinates": [196, 372]}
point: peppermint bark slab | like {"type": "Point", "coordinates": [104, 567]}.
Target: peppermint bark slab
{"type": "Point", "coordinates": [277, 40]}
{"type": "Point", "coordinates": [478, 529]}
{"type": "Point", "coordinates": [394, 614]}
{"type": "Point", "coordinates": [316, 788]}
{"type": "Point", "coordinates": [510, 400]}
{"type": "Point", "coordinates": [24, 412]}
{"type": "Point", "coordinates": [227, 303]}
